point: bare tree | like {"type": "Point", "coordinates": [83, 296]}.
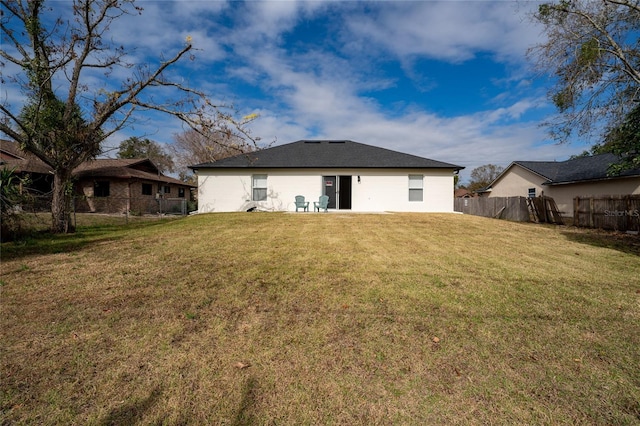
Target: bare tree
{"type": "Point", "coordinates": [593, 52]}
{"type": "Point", "coordinates": [193, 147]}
{"type": "Point", "coordinates": [65, 119]}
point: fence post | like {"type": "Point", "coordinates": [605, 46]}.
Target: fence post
{"type": "Point", "coordinates": [576, 216]}
{"type": "Point", "coordinates": [627, 219]}
{"type": "Point", "coordinates": [591, 207]}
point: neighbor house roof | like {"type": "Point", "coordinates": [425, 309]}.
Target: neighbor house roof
{"type": "Point", "coordinates": [12, 157]}
{"type": "Point", "coordinates": [579, 169]}
{"type": "Point", "coordinates": [327, 154]}
{"type": "Point", "coordinates": [143, 169]}
{"type": "Point", "coordinates": [462, 193]}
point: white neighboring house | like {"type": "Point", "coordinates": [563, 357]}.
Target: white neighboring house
{"type": "Point", "coordinates": [355, 176]}
{"type": "Point", "coordinates": [564, 180]}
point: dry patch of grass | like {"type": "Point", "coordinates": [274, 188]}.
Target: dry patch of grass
{"type": "Point", "coordinates": [322, 319]}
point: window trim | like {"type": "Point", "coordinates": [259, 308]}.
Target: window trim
{"type": "Point", "coordinates": [254, 181]}
{"type": "Point", "coordinates": [415, 189]}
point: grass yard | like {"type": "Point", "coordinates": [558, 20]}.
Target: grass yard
{"type": "Point", "coordinates": [31, 224]}
{"type": "Point", "coordinates": [344, 319]}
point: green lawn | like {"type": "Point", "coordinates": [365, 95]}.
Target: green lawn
{"type": "Point", "coordinates": [349, 319]}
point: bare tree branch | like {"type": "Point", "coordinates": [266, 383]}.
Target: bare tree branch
{"type": "Point", "coordinates": [65, 124]}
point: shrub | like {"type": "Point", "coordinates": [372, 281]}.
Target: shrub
{"type": "Point", "coordinates": [11, 199]}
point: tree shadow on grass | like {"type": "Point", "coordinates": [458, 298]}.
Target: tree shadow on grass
{"type": "Point", "coordinates": [623, 242]}
{"type": "Point", "coordinates": [131, 413]}
{"type": "Point", "coordinates": [44, 242]}
{"type": "Point", "coordinates": [246, 414]}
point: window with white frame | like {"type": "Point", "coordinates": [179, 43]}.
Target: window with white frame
{"type": "Point", "coordinates": [259, 187]}
{"type": "Point", "coordinates": [532, 193]}
{"type": "Point", "coordinates": [416, 187]}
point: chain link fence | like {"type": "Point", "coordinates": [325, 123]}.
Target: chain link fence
{"type": "Point", "coordinates": [29, 211]}
{"type": "Point", "coordinates": [34, 211]}
{"type": "Point", "coordinates": [114, 205]}
{"type": "Point", "coordinates": [133, 206]}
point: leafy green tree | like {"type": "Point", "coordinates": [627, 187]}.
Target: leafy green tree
{"type": "Point", "coordinates": [67, 116]}
{"type": "Point", "coordinates": [135, 147]}
{"type": "Point", "coordinates": [623, 141]}
{"type": "Point", "coordinates": [592, 50]}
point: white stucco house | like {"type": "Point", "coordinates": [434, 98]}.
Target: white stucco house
{"type": "Point", "coordinates": [564, 180]}
{"type": "Point", "coordinates": [355, 177]}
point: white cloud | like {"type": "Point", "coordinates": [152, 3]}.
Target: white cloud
{"type": "Point", "coordinates": [316, 93]}
{"type": "Point", "coordinates": [449, 31]}
{"type": "Point", "coordinates": [322, 91]}
{"type": "Point", "coordinates": [267, 21]}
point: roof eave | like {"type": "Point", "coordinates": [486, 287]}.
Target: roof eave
{"type": "Point", "coordinates": [609, 178]}
{"type": "Point", "coordinates": [228, 167]}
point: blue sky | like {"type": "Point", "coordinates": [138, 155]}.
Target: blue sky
{"type": "Point", "coordinates": [446, 80]}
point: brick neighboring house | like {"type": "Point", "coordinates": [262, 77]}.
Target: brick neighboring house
{"type": "Point", "coordinates": [121, 185]}
{"type": "Point", "coordinates": [103, 185]}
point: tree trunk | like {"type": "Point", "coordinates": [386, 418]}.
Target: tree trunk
{"type": "Point", "coordinates": [61, 203]}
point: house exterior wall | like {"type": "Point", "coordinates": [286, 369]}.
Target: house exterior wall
{"type": "Point", "coordinates": [222, 190]}
{"type": "Point", "coordinates": [116, 202]}
{"type": "Point", "coordinates": [563, 195]}
{"type": "Point", "coordinates": [123, 195]}
{"type": "Point", "coordinates": [517, 181]}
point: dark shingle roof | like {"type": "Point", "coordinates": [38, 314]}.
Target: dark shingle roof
{"type": "Point", "coordinates": [124, 169]}
{"type": "Point", "coordinates": [577, 169]}
{"type": "Point", "coordinates": [326, 154]}
{"type": "Point", "coordinates": [12, 157]}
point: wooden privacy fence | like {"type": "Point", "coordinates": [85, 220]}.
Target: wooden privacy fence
{"type": "Point", "coordinates": [543, 209]}
{"type": "Point", "coordinates": [509, 208]}
{"type": "Point", "coordinates": [615, 212]}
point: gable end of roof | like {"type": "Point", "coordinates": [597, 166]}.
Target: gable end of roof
{"type": "Point", "coordinates": [581, 169]}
